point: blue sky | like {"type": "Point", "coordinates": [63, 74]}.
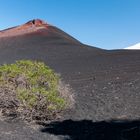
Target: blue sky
{"type": "Point", "coordinates": [109, 24]}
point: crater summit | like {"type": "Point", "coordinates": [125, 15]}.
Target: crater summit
{"type": "Point", "coordinates": [36, 22]}
{"type": "Point", "coordinates": [30, 26]}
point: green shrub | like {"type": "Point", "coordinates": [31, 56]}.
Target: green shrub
{"type": "Point", "coordinates": [29, 89]}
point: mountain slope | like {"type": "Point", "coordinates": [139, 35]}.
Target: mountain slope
{"type": "Point", "coordinates": [36, 26]}
{"type": "Point", "coordinates": [105, 84]}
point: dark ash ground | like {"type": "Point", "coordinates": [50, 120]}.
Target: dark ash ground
{"type": "Point", "coordinates": [106, 87]}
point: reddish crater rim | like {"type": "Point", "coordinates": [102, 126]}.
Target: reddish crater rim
{"type": "Point", "coordinates": [29, 27]}
{"type": "Point", "coordinates": [36, 22]}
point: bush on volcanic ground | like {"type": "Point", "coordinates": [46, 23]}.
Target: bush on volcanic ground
{"type": "Point", "coordinates": [29, 89]}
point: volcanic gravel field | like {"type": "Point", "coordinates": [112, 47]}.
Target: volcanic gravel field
{"type": "Point", "coordinates": [105, 85]}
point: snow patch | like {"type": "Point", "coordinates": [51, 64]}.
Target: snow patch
{"type": "Point", "coordinates": [134, 47]}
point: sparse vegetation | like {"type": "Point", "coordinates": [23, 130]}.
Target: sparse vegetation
{"type": "Point", "coordinates": [30, 90]}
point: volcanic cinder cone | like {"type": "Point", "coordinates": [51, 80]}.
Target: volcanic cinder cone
{"type": "Point", "coordinates": [36, 26]}
{"type": "Point", "coordinates": [105, 84]}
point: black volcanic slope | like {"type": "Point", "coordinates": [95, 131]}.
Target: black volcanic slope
{"type": "Point", "coordinates": [106, 86]}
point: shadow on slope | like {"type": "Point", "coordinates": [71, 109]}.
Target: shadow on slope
{"type": "Point", "coordinates": [88, 130]}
